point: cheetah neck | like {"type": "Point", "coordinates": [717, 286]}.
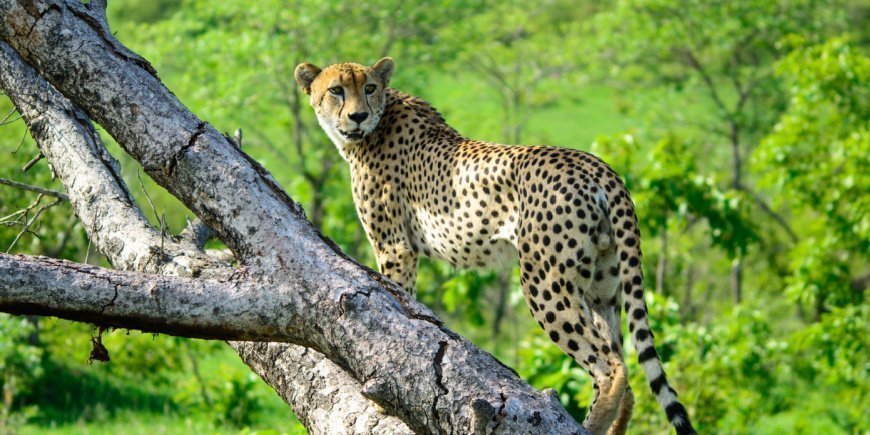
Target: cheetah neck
{"type": "Point", "coordinates": [399, 108]}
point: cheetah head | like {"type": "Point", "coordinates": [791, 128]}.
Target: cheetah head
{"type": "Point", "coordinates": [348, 98]}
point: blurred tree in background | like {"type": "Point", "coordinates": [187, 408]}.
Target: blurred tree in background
{"type": "Point", "coordinates": [740, 127]}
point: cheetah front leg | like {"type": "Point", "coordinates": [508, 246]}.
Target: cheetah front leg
{"type": "Point", "coordinates": [399, 263]}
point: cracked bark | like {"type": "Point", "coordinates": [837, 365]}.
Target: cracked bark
{"type": "Point", "coordinates": [387, 342]}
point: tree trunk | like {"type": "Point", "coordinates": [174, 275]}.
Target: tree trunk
{"type": "Point", "coordinates": [297, 286]}
{"type": "Point", "coordinates": [737, 280]}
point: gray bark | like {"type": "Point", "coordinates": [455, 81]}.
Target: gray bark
{"type": "Point", "coordinates": [97, 192]}
{"type": "Point", "coordinates": [401, 354]}
{"type": "Point", "coordinates": [320, 394]}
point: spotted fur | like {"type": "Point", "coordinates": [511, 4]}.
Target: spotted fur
{"type": "Point", "coordinates": [421, 188]}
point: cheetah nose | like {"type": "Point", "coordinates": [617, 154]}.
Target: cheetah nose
{"type": "Point", "coordinates": [358, 117]}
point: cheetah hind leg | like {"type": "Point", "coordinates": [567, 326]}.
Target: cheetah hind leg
{"type": "Point", "coordinates": [626, 406]}
{"type": "Point", "coordinates": [604, 299]}
{"type": "Point", "coordinates": [555, 296]}
{"type": "Point", "coordinates": [608, 317]}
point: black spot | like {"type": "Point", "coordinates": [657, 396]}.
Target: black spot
{"type": "Point", "coordinates": [554, 336]}
{"type": "Point", "coordinates": [567, 327]}
{"type": "Point", "coordinates": [573, 345]}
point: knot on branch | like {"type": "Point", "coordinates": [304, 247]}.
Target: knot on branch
{"type": "Point", "coordinates": [377, 391]}
{"type": "Point", "coordinates": [482, 413]}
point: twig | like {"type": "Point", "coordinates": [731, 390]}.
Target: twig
{"type": "Point", "coordinates": [40, 190]}
{"type": "Point", "coordinates": [30, 222]}
{"type": "Point", "coordinates": [8, 115]}
{"type": "Point", "coordinates": [237, 136]}
{"type": "Point", "coordinates": [21, 142]}
{"type": "Point", "coordinates": [94, 232]}
{"type": "Point", "coordinates": [147, 196]}
{"type": "Point", "coordinates": [32, 162]}
{"type": "Point", "coordinates": [161, 219]}
{"type": "Point", "coordinates": [17, 215]}
{"type": "Point", "coordinates": [766, 208]}
{"type": "Point", "coordinates": [10, 121]}
{"type": "Point", "coordinates": [708, 81]}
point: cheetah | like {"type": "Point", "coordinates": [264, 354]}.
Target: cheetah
{"type": "Point", "coordinates": [421, 188]}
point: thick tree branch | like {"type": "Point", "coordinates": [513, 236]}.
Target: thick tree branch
{"type": "Point", "coordinates": [197, 308]}
{"type": "Point", "coordinates": [288, 379]}
{"type": "Point", "coordinates": [404, 357]}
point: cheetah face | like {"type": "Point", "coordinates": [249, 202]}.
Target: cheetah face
{"type": "Point", "coordinates": [348, 98]}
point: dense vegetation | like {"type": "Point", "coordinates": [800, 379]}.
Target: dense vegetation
{"type": "Point", "coordinates": [741, 128]}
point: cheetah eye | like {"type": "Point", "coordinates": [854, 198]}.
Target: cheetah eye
{"type": "Point", "coordinates": [336, 90]}
{"type": "Point", "coordinates": [370, 89]}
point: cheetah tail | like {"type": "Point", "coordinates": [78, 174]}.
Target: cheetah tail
{"type": "Point", "coordinates": [628, 250]}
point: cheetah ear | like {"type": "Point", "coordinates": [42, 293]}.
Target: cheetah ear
{"type": "Point", "coordinates": [383, 69]}
{"type": "Point", "coordinates": [305, 74]}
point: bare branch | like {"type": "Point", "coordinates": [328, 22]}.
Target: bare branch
{"type": "Point", "coordinates": [42, 190]}
{"type": "Point", "coordinates": [91, 177]}
{"type": "Point", "coordinates": [325, 398]}
{"type": "Point", "coordinates": [32, 162]}
{"type": "Point", "coordinates": [777, 218]}
{"type": "Point", "coordinates": [30, 222]}
{"type": "Point", "coordinates": [708, 81]}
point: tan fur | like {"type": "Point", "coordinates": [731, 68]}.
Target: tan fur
{"type": "Point", "coordinates": [420, 188]}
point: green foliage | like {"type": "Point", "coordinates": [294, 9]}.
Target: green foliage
{"type": "Point", "coordinates": [672, 188]}
{"type": "Point", "coordinates": [816, 157]}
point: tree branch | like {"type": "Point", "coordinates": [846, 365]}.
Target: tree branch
{"type": "Point", "coordinates": [185, 307]}
{"type": "Point", "coordinates": [404, 357]}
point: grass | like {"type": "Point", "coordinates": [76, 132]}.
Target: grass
{"type": "Point", "coordinates": [73, 397]}
{"type": "Point", "coordinates": [573, 120]}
